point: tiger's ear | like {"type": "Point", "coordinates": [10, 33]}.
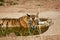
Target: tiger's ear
{"type": "Point", "coordinates": [37, 14]}
{"type": "Point", "coordinates": [28, 15]}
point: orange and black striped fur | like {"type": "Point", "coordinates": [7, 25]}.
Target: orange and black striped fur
{"type": "Point", "coordinates": [24, 21]}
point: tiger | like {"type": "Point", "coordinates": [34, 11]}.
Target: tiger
{"type": "Point", "coordinates": [24, 21]}
{"type": "Point", "coordinates": [27, 21]}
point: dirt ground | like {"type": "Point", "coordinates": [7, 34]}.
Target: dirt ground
{"type": "Point", "coordinates": [32, 6]}
{"type": "Point", "coordinates": [46, 9]}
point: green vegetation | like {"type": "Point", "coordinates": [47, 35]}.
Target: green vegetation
{"type": "Point", "coordinates": [13, 3]}
{"type": "Point", "coordinates": [1, 4]}
{"type": "Point", "coordinates": [1, 0]}
{"type": "Point", "coordinates": [8, 2]}
{"type": "Point", "coordinates": [18, 31]}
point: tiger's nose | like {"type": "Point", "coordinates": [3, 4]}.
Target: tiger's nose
{"type": "Point", "coordinates": [33, 27]}
{"type": "Point", "coordinates": [33, 23]}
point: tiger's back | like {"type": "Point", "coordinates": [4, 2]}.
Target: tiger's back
{"type": "Point", "coordinates": [22, 21]}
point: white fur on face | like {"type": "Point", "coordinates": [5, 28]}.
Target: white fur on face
{"type": "Point", "coordinates": [30, 18]}
{"type": "Point", "coordinates": [35, 18]}
{"type": "Point", "coordinates": [44, 23]}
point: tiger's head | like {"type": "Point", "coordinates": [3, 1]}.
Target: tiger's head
{"type": "Point", "coordinates": [33, 20]}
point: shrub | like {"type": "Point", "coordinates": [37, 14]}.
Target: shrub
{"type": "Point", "coordinates": [13, 3]}
{"type": "Point", "coordinates": [1, 4]}
{"type": "Point", "coordinates": [1, 0]}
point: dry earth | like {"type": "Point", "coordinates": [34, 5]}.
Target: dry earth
{"type": "Point", "coordinates": [32, 6]}
{"type": "Point", "coordinates": [46, 9]}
